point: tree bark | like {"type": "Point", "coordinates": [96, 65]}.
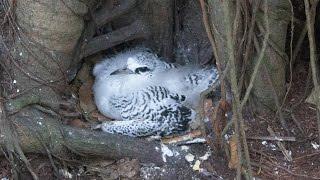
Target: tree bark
{"type": "Point", "coordinates": [47, 32]}
{"type": "Point", "coordinates": [159, 15]}
{"type": "Point", "coordinates": [274, 58]}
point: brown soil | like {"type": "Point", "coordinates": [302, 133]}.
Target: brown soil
{"type": "Point", "coordinates": [270, 161]}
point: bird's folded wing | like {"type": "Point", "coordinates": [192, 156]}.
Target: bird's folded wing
{"type": "Point", "coordinates": [152, 110]}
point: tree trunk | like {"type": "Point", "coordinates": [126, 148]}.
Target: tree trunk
{"type": "Point", "coordinates": [274, 60]}
{"type": "Point", "coordinates": [159, 15]}
{"type": "Point", "coordinates": [274, 57]}
{"type": "Point", "coordinates": [47, 32]}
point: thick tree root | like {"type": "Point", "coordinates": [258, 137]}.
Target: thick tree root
{"type": "Point", "coordinates": [136, 30]}
{"type": "Point", "coordinates": [43, 134]}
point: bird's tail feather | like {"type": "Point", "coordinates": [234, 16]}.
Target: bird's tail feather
{"type": "Point", "coordinates": [132, 128]}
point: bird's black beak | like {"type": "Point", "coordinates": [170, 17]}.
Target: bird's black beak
{"type": "Point", "coordinates": [124, 70]}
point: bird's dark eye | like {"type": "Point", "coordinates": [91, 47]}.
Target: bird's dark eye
{"type": "Point", "coordinates": [141, 70]}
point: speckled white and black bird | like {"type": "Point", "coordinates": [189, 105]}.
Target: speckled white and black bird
{"type": "Point", "coordinates": [147, 96]}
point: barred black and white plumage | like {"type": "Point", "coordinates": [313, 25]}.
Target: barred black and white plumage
{"type": "Point", "coordinates": [140, 104]}
{"type": "Point", "coordinates": [149, 111]}
{"type": "Point", "coordinates": [147, 96]}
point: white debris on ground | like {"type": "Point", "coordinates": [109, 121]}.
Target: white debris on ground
{"type": "Point", "coordinates": [152, 138]}
{"type": "Point", "coordinates": [315, 145]}
{"type": "Point", "coordinates": [276, 171]}
{"type": "Point", "coordinates": [206, 119]}
{"type": "Point", "coordinates": [269, 145]}
{"type": "Point", "coordinates": [197, 160]}
{"type": "Point", "coordinates": [189, 157]}
{"type": "Point", "coordinates": [65, 173]}
{"type": "Point", "coordinates": [184, 148]}
{"type": "Point", "coordinates": [150, 171]}
{"type": "Point", "coordinates": [196, 166]}
{"type": "Point", "coordinates": [273, 147]}
{"type": "Point", "coordinates": [205, 156]}
{"type": "Point", "coordinates": [228, 136]}
{"type": "Point", "coordinates": [165, 152]}
{"type": "Point", "coordinates": [290, 153]}
{"type": "Point", "coordinates": [170, 155]}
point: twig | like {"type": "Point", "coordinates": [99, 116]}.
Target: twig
{"type": "Point", "coordinates": [213, 43]}
{"type": "Point", "coordinates": [285, 152]}
{"type": "Point", "coordinates": [274, 45]}
{"type": "Point", "coordinates": [267, 156]}
{"type": "Point", "coordinates": [236, 20]}
{"type": "Point", "coordinates": [227, 127]}
{"type": "Point", "coordinates": [297, 122]}
{"type": "Point", "coordinates": [178, 139]}
{"type": "Point", "coordinates": [273, 138]}
{"type": "Point", "coordinates": [263, 167]}
{"type": "Point", "coordinates": [249, 42]}
{"type": "Point", "coordinates": [295, 174]}
{"type": "Point", "coordinates": [284, 169]}
{"type": "Point", "coordinates": [291, 54]}
{"type": "Point", "coordinates": [233, 85]}
{"type": "Point", "coordinates": [307, 155]}
{"type": "Point", "coordinates": [276, 99]}
{"type": "Point", "coordinates": [236, 107]}
{"type": "Point", "coordinates": [260, 58]}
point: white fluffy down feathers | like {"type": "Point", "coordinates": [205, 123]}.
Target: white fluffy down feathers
{"type": "Point", "coordinates": [147, 96]}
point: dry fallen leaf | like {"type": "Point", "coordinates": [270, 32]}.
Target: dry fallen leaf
{"type": "Point", "coordinates": [84, 73]}
{"type": "Point", "coordinates": [219, 121]}
{"type": "Point", "coordinates": [177, 139]}
{"type": "Point", "coordinates": [208, 107]}
{"type": "Point", "coordinates": [95, 115]}
{"type": "Point", "coordinates": [234, 160]}
{"type": "Point", "coordinates": [78, 123]}
{"type": "Point", "coordinates": [86, 97]}
{"type": "Point", "coordinates": [129, 168]}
